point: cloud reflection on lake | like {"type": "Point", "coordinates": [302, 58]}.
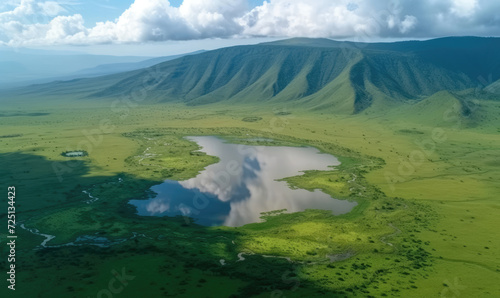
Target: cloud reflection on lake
{"type": "Point", "coordinates": [235, 191]}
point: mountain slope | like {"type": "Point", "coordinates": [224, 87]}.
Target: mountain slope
{"type": "Point", "coordinates": [106, 69]}
{"type": "Point", "coordinates": [316, 74]}
{"type": "Point", "coordinates": [250, 73]}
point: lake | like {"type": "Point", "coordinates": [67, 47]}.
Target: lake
{"type": "Point", "coordinates": [234, 191]}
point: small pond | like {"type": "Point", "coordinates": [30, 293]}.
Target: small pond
{"type": "Point", "coordinates": [74, 153]}
{"type": "Point", "coordinates": [234, 191]}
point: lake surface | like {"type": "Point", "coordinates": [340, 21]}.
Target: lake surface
{"type": "Point", "coordinates": [234, 191]}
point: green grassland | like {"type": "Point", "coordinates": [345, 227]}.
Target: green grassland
{"type": "Point", "coordinates": [425, 224]}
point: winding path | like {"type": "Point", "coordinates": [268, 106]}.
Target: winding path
{"type": "Point", "coordinates": [383, 239]}
{"type": "Point", "coordinates": [81, 240]}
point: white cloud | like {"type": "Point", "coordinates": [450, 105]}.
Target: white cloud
{"type": "Point", "coordinates": [62, 27]}
{"type": "Point", "coordinates": [47, 22]}
{"type": "Point", "coordinates": [30, 21]}
{"type": "Point", "coordinates": [51, 8]}
{"type": "Point", "coordinates": [463, 8]}
{"type": "Point", "coordinates": [318, 18]}
{"type": "Point", "coordinates": [144, 21]}
{"type": "Point", "coordinates": [408, 24]}
{"type": "Point", "coordinates": [31, 9]}
{"type": "Point", "coordinates": [213, 18]}
{"type": "Point", "coordinates": [60, 30]}
{"type": "Point", "coordinates": [155, 20]}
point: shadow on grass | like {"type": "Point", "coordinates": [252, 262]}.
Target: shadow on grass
{"type": "Point", "coordinates": [164, 254]}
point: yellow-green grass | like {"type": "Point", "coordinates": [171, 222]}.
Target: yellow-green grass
{"type": "Point", "coordinates": [456, 184]}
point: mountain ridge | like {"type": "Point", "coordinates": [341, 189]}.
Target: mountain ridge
{"type": "Point", "coordinates": [342, 77]}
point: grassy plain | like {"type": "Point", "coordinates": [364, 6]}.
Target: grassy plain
{"type": "Point", "coordinates": [425, 224]}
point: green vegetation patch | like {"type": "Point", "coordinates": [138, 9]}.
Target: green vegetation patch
{"type": "Point", "coordinates": [251, 119]}
{"type": "Point", "coordinates": [17, 114]}
{"type": "Point", "coordinates": [11, 136]}
{"type": "Point", "coordinates": [410, 131]}
{"type": "Point", "coordinates": [282, 113]}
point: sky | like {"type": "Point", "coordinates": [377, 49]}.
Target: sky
{"type": "Point", "coordinates": [153, 27]}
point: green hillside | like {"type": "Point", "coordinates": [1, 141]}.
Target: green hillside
{"type": "Point", "coordinates": [313, 74]}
